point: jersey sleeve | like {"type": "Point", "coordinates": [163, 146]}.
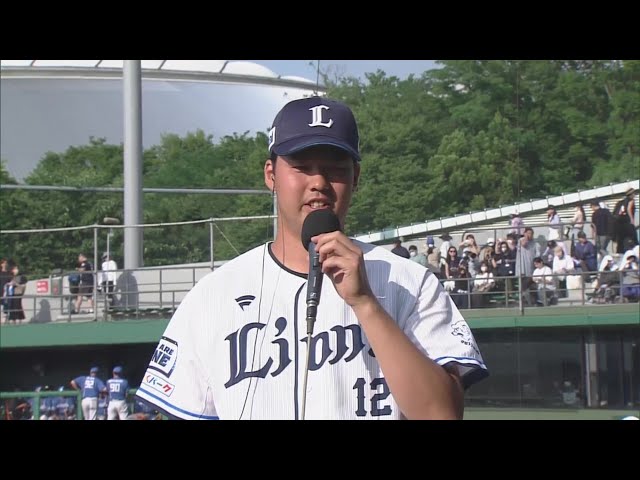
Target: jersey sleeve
{"type": "Point", "coordinates": [439, 330]}
{"type": "Point", "coordinates": [175, 381]}
{"type": "Point", "coordinates": [100, 386]}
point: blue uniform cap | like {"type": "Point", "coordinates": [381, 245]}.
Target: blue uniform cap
{"type": "Point", "coordinates": [94, 370]}
{"type": "Point", "coordinates": [314, 121]}
{"type": "Point", "coordinates": [117, 370]}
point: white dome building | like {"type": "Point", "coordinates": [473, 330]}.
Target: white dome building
{"type": "Point", "coordinates": [49, 105]}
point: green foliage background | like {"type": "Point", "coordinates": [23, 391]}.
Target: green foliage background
{"type": "Point", "coordinates": [466, 136]}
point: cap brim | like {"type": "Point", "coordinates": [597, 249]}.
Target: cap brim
{"type": "Point", "coordinates": [296, 145]}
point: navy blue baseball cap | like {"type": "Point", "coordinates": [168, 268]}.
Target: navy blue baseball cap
{"type": "Point", "coordinates": [117, 369]}
{"type": "Point", "coordinates": [314, 121]}
{"type": "Point", "coordinates": [94, 370]}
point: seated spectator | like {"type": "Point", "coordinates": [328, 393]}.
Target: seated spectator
{"type": "Point", "coordinates": [543, 278]}
{"type": "Point", "coordinates": [462, 286]}
{"type": "Point", "coordinates": [550, 252]}
{"type": "Point", "coordinates": [607, 285]}
{"type": "Point", "coordinates": [486, 254]}
{"type": "Point", "coordinates": [483, 282]}
{"type": "Point", "coordinates": [451, 263]}
{"type": "Point", "coordinates": [630, 249]}
{"type": "Point", "coordinates": [470, 258]}
{"type": "Point", "coordinates": [417, 257]}
{"type": "Point", "coordinates": [586, 256]}
{"type": "Point", "coordinates": [562, 266]}
{"type": "Point", "coordinates": [631, 279]}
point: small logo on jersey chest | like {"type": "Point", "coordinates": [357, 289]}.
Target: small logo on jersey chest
{"type": "Point", "coordinates": [245, 301]}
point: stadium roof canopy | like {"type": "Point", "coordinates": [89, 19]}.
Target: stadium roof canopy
{"type": "Point", "coordinates": [204, 70]}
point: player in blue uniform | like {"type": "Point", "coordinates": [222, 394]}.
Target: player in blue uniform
{"type": "Point", "coordinates": [91, 387]}
{"type": "Point", "coordinates": [117, 387]}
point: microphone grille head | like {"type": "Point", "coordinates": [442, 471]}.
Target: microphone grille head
{"type": "Point", "coordinates": [317, 222]}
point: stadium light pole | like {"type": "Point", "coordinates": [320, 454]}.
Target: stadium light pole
{"type": "Point", "coordinates": [132, 89]}
{"type": "Point", "coordinates": [110, 221]}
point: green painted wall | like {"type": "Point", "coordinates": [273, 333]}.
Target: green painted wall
{"type": "Point", "coordinates": [90, 333]}
{"type": "Point", "coordinates": [149, 331]}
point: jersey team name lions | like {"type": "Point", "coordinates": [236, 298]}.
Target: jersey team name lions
{"type": "Point", "coordinates": [236, 346]}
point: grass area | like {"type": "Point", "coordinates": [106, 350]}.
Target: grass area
{"type": "Point", "coordinates": [545, 414]}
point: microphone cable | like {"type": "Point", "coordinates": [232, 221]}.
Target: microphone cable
{"type": "Point", "coordinates": [311, 320]}
{"type": "Point", "coordinates": [317, 222]}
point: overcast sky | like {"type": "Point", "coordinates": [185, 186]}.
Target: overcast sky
{"type": "Point", "coordinates": [357, 68]}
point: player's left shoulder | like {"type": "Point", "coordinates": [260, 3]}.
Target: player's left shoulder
{"type": "Point", "coordinates": [377, 257]}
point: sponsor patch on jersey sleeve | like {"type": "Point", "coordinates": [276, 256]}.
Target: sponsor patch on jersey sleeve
{"type": "Point", "coordinates": [158, 384]}
{"type": "Point", "coordinates": [165, 357]}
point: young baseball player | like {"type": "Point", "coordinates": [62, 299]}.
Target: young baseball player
{"type": "Point", "coordinates": [92, 387]}
{"type": "Point", "coordinates": [117, 409]}
{"type": "Point", "coordinates": [388, 342]}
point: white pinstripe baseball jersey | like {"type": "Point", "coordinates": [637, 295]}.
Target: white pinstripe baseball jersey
{"type": "Point", "coordinates": [236, 346]}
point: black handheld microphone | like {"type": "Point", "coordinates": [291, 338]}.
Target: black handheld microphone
{"type": "Point", "coordinates": [317, 222]}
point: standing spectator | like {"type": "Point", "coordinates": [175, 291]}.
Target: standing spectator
{"type": "Point", "coordinates": [433, 260]}
{"type": "Point", "coordinates": [528, 249]}
{"type": "Point", "coordinates": [417, 257]}
{"type": "Point", "coordinates": [399, 250]}
{"type": "Point", "coordinates": [504, 265]}
{"type": "Point", "coordinates": [5, 277]}
{"type": "Point", "coordinates": [74, 290]}
{"type": "Point", "coordinates": [91, 387]}
{"type": "Point", "coordinates": [601, 220]}
{"type": "Point", "coordinates": [512, 243]}
{"type": "Point", "coordinates": [117, 387]}
{"type": "Point", "coordinates": [14, 290]}
{"type": "Point", "coordinates": [586, 256]}
{"type": "Point", "coordinates": [624, 216]}
{"type": "Point", "coordinates": [578, 220]}
{"type": "Point", "coordinates": [108, 282]}
{"type": "Point", "coordinates": [517, 224]}
{"type": "Point", "coordinates": [470, 244]}
{"type": "Point", "coordinates": [555, 228]}
{"type": "Point", "coordinates": [444, 246]}
{"type": "Point", "coordinates": [86, 282]}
